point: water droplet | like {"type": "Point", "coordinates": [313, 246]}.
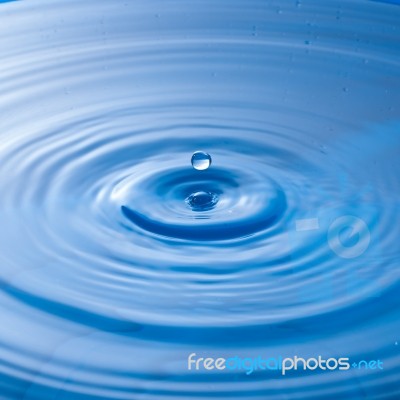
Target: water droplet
{"type": "Point", "coordinates": [202, 201]}
{"type": "Point", "coordinates": [201, 160]}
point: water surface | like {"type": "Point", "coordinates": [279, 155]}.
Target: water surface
{"type": "Point", "coordinates": [112, 274]}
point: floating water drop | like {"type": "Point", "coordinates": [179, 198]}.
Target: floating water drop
{"type": "Point", "coordinates": [201, 160]}
{"type": "Point", "coordinates": [202, 201]}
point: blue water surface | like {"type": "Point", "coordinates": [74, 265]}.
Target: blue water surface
{"type": "Point", "coordinates": [119, 259]}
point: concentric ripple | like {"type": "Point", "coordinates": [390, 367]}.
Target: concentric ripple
{"type": "Point", "coordinates": [120, 257]}
{"type": "Point", "coordinates": [238, 214]}
{"type": "Point", "coordinates": [202, 201]}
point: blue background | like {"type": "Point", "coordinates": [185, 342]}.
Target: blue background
{"type": "Point", "coordinates": [109, 279]}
